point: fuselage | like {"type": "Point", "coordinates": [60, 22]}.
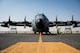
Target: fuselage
{"type": "Point", "coordinates": [40, 23]}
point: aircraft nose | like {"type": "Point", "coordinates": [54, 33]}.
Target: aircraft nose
{"type": "Point", "coordinates": [40, 24]}
{"type": "Point", "coordinates": [39, 21]}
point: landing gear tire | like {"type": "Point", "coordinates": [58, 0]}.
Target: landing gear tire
{"type": "Point", "coordinates": [34, 32]}
{"type": "Point", "coordinates": [46, 33]}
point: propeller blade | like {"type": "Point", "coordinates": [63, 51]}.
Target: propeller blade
{"type": "Point", "coordinates": [25, 19]}
{"type": "Point", "coordinates": [9, 19]}
{"type": "Point", "coordinates": [56, 21]}
{"type": "Point", "coordinates": [25, 22]}
{"type": "Point", "coordinates": [72, 18]}
{"type": "Point", "coordinates": [8, 25]}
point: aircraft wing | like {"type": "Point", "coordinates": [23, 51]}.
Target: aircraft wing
{"type": "Point", "coordinates": [67, 23]}
{"type": "Point", "coordinates": [50, 24]}
{"type": "Point", "coordinates": [7, 24]}
{"type": "Point", "coordinates": [77, 24]}
{"type": "Point", "coordinates": [13, 23]}
{"type": "Point", "coordinates": [58, 23]}
{"type": "Point", "coordinates": [23, 24]}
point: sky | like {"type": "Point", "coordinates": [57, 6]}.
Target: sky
{"type": "Point", "coordinates": [18, 9]}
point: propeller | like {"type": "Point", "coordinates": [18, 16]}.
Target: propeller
{"type": "Point", "coordinates": [9, 19]}
{"type": "Point", "coordinates": [73, 22]}
{"type": "Point", "coordinates": [25, 22]}
{"type": "Point", "coordinates": [8, 23]}
{"type": "Point", "coordinates": [56, 21]}
{"type": "Point", "coordinates": [72, 18]}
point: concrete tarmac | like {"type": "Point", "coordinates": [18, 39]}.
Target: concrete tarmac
{"type": "Point", "coordinates": [7, 40]}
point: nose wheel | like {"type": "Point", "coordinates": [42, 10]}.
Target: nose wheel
{"type": "Point", "coordinates": [40, 33]}
{"type": "Point", "coordinates": [34, 32]}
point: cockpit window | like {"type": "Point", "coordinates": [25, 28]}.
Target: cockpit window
{"type": "Point", "coordinates": [42, 16]}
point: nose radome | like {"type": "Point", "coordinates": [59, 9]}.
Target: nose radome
{"type": "Point", "coordinates": [40, 24]}
{"type": "Point", "coordinates": [39, 20]}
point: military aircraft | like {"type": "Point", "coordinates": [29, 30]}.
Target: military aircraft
{"type": "Point", "coordinates": [40, 23]}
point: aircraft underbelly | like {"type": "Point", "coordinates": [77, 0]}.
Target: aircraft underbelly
{"type": "Point", "coordinates": [46, 29]}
